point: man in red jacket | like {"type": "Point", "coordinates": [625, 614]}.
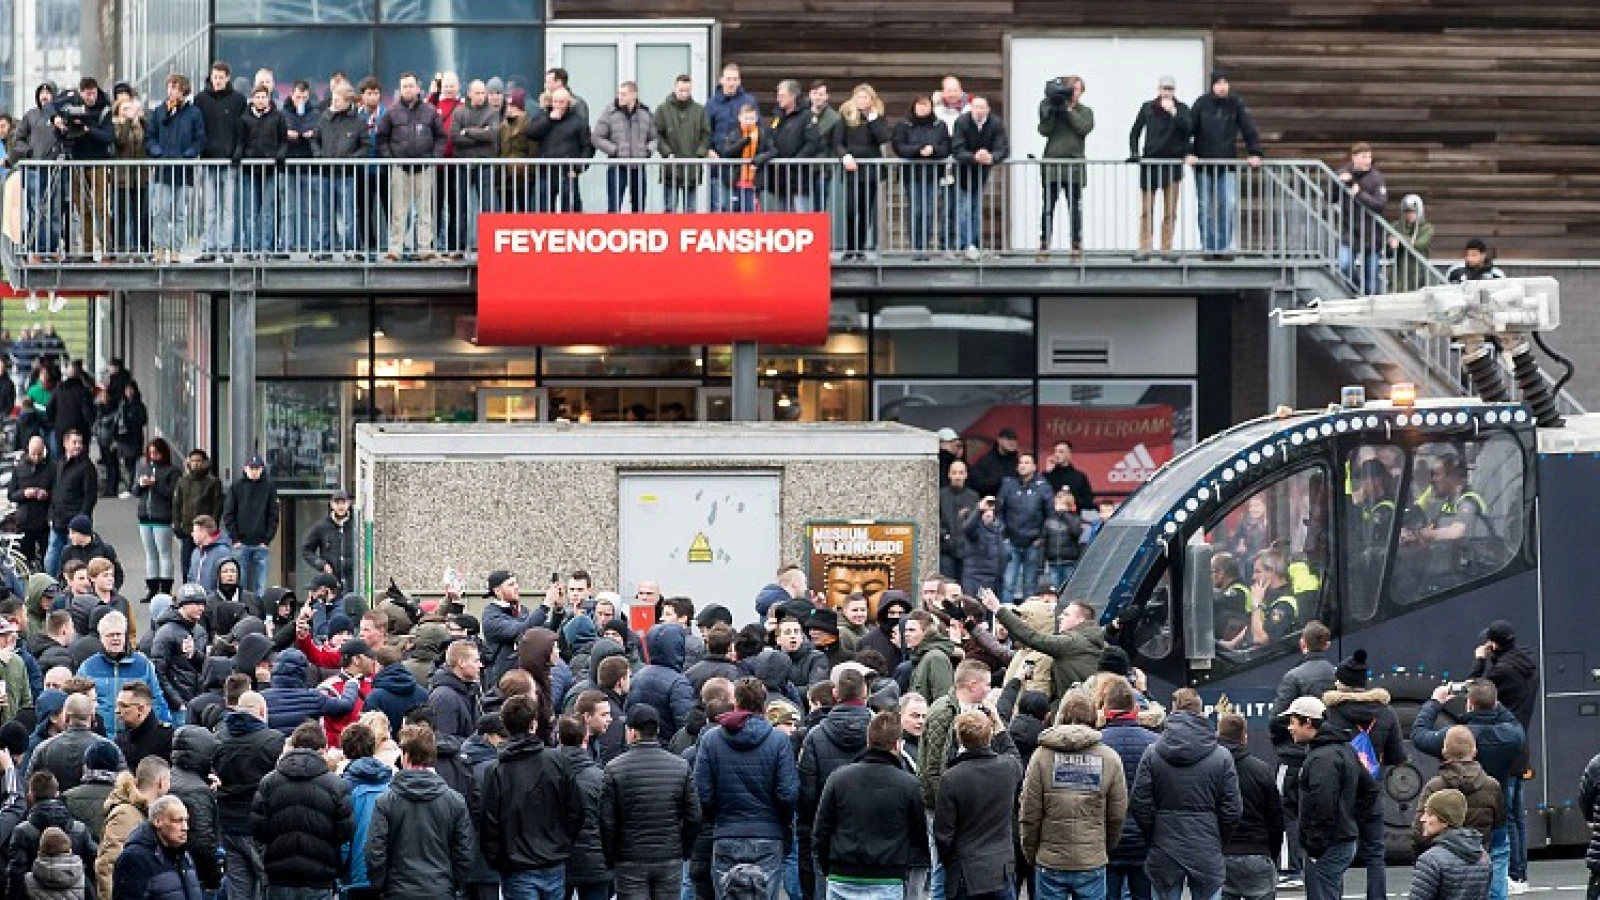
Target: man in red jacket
{"type": "Point", "coordinates": [356, 661]}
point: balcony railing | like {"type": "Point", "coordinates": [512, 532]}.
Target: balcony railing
{"type": "Point", "coordinates": [148, 212]}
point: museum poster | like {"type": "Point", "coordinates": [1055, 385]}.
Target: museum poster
{"type": "Point", "coordinates": [870, 556]}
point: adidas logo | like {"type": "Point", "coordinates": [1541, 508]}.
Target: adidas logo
{"type": "Point", "coordinates": [1135, 467]}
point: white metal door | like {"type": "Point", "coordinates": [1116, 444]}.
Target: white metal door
{"type": "Point", "coordinates": [600, 56]}
{"type": "Point", "coordinates": [710, 536]}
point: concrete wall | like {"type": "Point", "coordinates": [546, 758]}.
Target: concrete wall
{"type": "Point", "coordinates": [538, 502]}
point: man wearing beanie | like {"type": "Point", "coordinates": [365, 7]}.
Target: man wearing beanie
{"type": "Point", "coordinates": [1219, 119]}
{"type": "Point", "coordinates": [1364, 713]}
{"type": "Point", "coordinates": [1456, 868]}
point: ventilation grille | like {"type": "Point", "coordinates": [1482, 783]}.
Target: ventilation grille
{"type": "Point", "coordinates": [1080, 354]}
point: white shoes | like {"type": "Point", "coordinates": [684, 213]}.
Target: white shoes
{"type": "Point", "coordinates": [1514, 886]}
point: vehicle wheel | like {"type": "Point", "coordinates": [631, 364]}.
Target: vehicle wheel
{"type": "Point", "coordinates": [1402, 784]}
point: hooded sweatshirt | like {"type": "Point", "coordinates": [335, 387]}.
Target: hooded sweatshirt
{"type": "Point", "coordinates": [34, 137]}
{"type": "Point", "coordinates": [661, 684]}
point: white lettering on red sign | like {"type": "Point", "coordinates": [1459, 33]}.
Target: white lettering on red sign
{"type": "Point", "coordinates": [652, 240]}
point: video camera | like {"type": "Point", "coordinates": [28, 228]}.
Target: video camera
{"type": "Point", "coordinates": [76, 115]}
{"type": "Point", "coordinates": [1058, 91]}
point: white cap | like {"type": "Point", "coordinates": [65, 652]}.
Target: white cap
{"type": "Point", "coordinates": [849, 666]}
{"type": "Point", "coordinates": [1307, 708]}
{"type": "Point", "coordinates": [948, 434]}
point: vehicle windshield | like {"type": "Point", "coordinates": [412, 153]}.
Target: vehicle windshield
{"type": "Point", "coordinates": [1106, 560]}
{"type": "Point", "coordinates": [1174, 482]}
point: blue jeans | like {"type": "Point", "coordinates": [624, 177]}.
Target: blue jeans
{"type": "Point", "coordinates": [1131, 878]}
{"type": "Point", "coordinates": [338, 231]}
{"type": "Point", "coordinates": [1370, 279]}
{"type": "Point", "coordinates": [52, 555]}
{"type": "Point", "coordinates": [219, 186]}
{"type": "Point", "coordinates": [844, 890]}
{"type": "Point", "coordinates": [1055, 884]}
{"type": "Point", "coordinates": [156, 539]}
{"type": "Point", "coordinates": [307, 198]}
{"type": "Point", "coordinates": [252, 567]}
{"type": "Point", "coordinates": [743, 200]}
{"type": "Point", "coordinates": [791, 870]}
{"type": "Point", "coordinates": [721, 182]}
{"type": "Point", "coordinates": [1325, 874]}
{"type": "Point", "coordinates": [259, 220]}
{"type": "Point", "coordinates": [919, 206]}
{"type": "Point", "coordinates": [1061, 573]}
{"type": "Point", "coordinates": [1372, 831]}
{"type": "Point", "coordinates": [679, 197]}
{"type": "Point", "coordinates": [1500, 860]}
{"type": "Point", "coordinates": [534, 884]}
{"type": "Point", "coordinates": [169, 215]}
{"type": "Point", "coordinates": [1217, 190]}
{"type": "Point", "coordinates": [1022, 573]}
{"type": "Point", "coordinates": [947, 212]}
{"type": "Point", "coordinates": [970, 183]}
{"type": "Point", "coordinates": [625, 181]}
{"type": "Point", "coordinates": [47, 208]}
{"type": "Point", "coordinates": [764, 853]}
{"type": "Point", "coordinates": [1517, 827]}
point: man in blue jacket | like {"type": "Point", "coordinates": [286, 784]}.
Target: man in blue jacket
{"type": "Point", "coordinates": [1024, 503]}
{"type": "Point", "coordinates": [395, 691]}
{"type": "Point", "coordinates": [662, 684]}
{"type": "Point", "coordinates": [116, 665]}
{"type": "Point", "coordinates": [749, 786]}
{"type": "Point", "coordinates": [176, 132]}
{"type": "Point", "coordinates": [292, 700]}
{"type": "Point", "coordinates": [722, 108]}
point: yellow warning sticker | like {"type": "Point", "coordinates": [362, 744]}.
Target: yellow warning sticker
{"type": "Point", "coordinates": [700, 549]}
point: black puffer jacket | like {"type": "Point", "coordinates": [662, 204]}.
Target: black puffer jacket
{"type": "Point", "coordinates": [711, 667]}
{"type": "Point", "coordinates": [910, 135]}
{"type": "Point", "coordinates": [1335, 792]}
{"type": "Point", "coordinates": [532, 808]}
{"type": "Point", "coordinates": [77, 489]}
{"type": "Point", "coordinates": [1515, 674]}
{"type": "Point", "coordinates": [248, 753]}
{"type": "Point", "coordinates": [262, 136]}
{"type": "Point", "coordinates": [1260, 828]}
{"type": "Point", "coordinates": [1185, 797]}
{"type": "Point", "coordinates": [32, 515]}
{"type": "Point", "coordinates": [179, 673]}
{"type": "Point", "coordinates": [419, 846]}
{"type": "Point", "coordinates": [830, 746]}
{"type": "Point", "coordinates": [587, 864]}
{"type": "Point", "coordinates": [650, 811]}
{"type": "Point", "coordinates": [300, 817]}
{"type": "Point", "coordinates": [193, 749]}
{"type": "Point", "coordinates": [23, 847]}
{"type": "Point", "coordinates": [221, 112]}
{"type": "Point", "coordinates": [1456, 868]}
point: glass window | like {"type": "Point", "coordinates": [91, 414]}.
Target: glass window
{"type": "Point", "coordinates": [1270, 560]}
{"type": "Point", "coordinates": [624, 402]}
{"type": "Point", "coordinates": [843, 354]}
{"type": "Point", "coordinates": [1372, 477]}
{"type": "Point", "coordinates": [437, 336]}
{"type": "Point", "coordinates": [811, 400]}
{"type": "Point", "coordinates": [402, 399]}
{"type": "Point", "coordinates": [293, 12]}
{"type": "Point", "coordinates": [311, 336]}
{"type": "Point", "coordinates": [1120, 432]}
{"type": "Point", "coordinates": [514, 54]}
{"type": "Point", "coordinates": [591, 361]}
{"type": "Point", "coordinates": [979, 412]}
{"type": "Point", "coordinates": [657, 67]}
{"type": "Point", "coordinates": [519, 11]}
{"type": "Point", "coordinates": [592, 73]}
{"type": "Point", "coordinates": [1153, 632]}
{"type": "Point", "coordinates": [969, 336]}
{"type": "Point", "coordinates": [1465, 519]}
{"type": "Point", "coordinates": [309, 53]}
{"type": "Point", "coordinates": [301, 425]}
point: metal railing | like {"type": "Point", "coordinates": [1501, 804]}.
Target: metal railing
{"type": "Point", "coordinates": [218, 211]}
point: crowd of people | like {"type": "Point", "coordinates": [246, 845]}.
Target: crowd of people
{"type": "Point", "coordinates": [900, 746]}
{"type": "Point", "coordinates": [946, 143]}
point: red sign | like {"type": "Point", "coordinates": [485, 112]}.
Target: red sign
{"type": "Point", "coordinates": [1118, 447]}
{"type": "Point", "coordinates": [653, 279]}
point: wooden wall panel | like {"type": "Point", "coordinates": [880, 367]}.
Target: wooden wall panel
{"type": "Point", "coordinates": [1483, 108]}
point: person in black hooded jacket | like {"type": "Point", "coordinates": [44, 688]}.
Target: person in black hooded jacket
{"type": "Point", "coordinates": [1185, 796]}
{"type": "Point", "coordinates": [1515, 674]}
{"type": "Point", "coordinates": [790, 133]}
{"type": "Point", "coordinates": [193, 749]}
{"type": "Point", "coordinates": [1353, 708]}
{"type": "Point", "coordinates": [221, 110]}
{"type": "Point", "coordinates": [83, 119]}
{"type": "Point", "coordinates": [263, 137]}
{"type": "Point", "coordinates": [248, 753]}
{"type": "Point", "coordinates": [532, 808]}
{"type": "Point", "coordinates": [1335, 796]}
{"type": "Point", "coordinates": [833, 744]}
{"type": "Point", "coordinates": [46, 810]}
{"type": "Point", "coordinates": [302, 815]}
{"type": "Point", "coordinates": [1166, 125]}
{"type": "Point", "coordinates": [1219, 119]}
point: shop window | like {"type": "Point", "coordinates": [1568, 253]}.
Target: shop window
{"type": "Point", "coordinates": [979, 412]}
{"type": "Point", "coordinates": [1119, 432]}
{"type": "Point", "coordinates": [969, 336]}
{"type": "Point", "coordinates": [1465, 518]}
{"type": "Point", "coordinates": [311, 336]}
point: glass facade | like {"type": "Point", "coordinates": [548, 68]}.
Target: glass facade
{"type": "Point", "coordinates": [312, 39]}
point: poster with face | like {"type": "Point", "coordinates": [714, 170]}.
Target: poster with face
{"type": "Point", "coordinates": [865, 556]}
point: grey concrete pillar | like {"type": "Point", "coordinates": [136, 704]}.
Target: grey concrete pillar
{"type": "Point", "coordinates": [746, 396]}
{"type": "Point", "coordinates": [1281, 362]}
{"type": "Point", "coordinates": [242, 374]}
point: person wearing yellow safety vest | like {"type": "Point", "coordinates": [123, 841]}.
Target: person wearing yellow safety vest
{"type": "Point", "coordinates": [1230, 599]}
{"type": "Point", "coordinates": [1274, 611]}
{"type": "Point", "coordinates": [1460, 507]}
{"type": "Point", "coordinates": [1374, 502]}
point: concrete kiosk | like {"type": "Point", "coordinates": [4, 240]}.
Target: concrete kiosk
{"type": "Point", "coordinates": [708, 510]}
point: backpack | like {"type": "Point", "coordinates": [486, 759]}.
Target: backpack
{"type": "Point", "coordinates": [1366, 753]}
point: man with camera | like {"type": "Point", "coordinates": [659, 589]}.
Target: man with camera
{"type": "Point", "coordinates": [1065, 123]}
{"type": "Point", "coordinates": [83, 120]}
{"type": "Point", "coordinates": [1219, 120]}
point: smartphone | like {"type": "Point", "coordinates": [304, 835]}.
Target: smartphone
{"type": "Point", "coordinates": [555, 577]}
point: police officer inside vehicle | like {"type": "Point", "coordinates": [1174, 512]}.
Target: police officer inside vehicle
{"type": "Point", "coordinates": [1274, 610]}
{"type": "Point", "coordinates": [1231, 599]}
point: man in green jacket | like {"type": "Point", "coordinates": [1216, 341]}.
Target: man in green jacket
{"type": "Point", "coordinates": [1064, 122]}
{"type": "Point", "coordinates": [932, 655]}
{"type": "Point", "coordinates": [682, 132]}
{"type": "Point", "coordinates": [1411, 270]}
{"type": "Point", "coordinates": [1074, 649]}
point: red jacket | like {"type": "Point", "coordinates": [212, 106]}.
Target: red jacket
{"type": "Point", "coordinates": [322, 657]}
{"type": "Point", "coordinates": [334, 687]}
{"type": "Point", "coordinates": [446, 108]}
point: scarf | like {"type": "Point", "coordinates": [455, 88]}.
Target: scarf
{"type": "Point", "coordinates": [747, 173]}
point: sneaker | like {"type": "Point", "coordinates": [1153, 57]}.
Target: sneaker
{"type": "Point", "coordinates": [1141, 256]}
{"type": "Point", "coordinates": [1513, 886]}
{"type": "Point", "coordinates": [57, 303]}
{"type": "Point", "coordinates": [1290, 880]}
{"type": "Point", "coordinates": [124, 496]}
{"type": "Point", "coordinates": [206, 258]}
{"type": "Point", "coordinates": [973, 254]}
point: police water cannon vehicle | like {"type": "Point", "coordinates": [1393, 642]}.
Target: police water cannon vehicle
{"type": "Point", "coordinates": [1405, 526]}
